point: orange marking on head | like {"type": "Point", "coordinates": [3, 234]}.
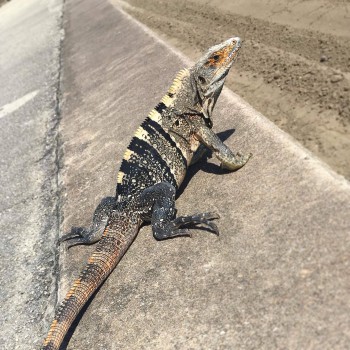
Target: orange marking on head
{"type": "Point", "coordinates": [219, 58]}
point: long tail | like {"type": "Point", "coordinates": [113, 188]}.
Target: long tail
{"type": "Point", "coordinates": [110, 249]}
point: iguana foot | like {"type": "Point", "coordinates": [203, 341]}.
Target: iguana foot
{"type": "Point", "coordinates": [198, 219]}
{"type": "Point", "coordinates": [175, 228]}
{"type": "Point", "coordinates": [79, 236]}
{"type": "Point", "coordinates": [236, 162]}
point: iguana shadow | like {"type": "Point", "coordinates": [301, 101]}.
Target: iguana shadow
{"type": "Point", "coordinates": [203, 164]}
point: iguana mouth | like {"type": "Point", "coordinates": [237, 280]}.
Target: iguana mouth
{"type": "Point", "coordinates": [221, 76]}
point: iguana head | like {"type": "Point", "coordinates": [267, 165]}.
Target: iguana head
{"type": "Point", "coordinates": [209, 73]}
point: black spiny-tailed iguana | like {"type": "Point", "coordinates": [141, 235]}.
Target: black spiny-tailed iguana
{"type": "Point", "coordinates": [153, 167]}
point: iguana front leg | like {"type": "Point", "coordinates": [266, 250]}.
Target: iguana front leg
{"type": "Point", "coordinates": [201, 152]}
{"type": "Point", "coordinates": [228, 159]}
{"type": "Point", "coordinates": [165, 224]}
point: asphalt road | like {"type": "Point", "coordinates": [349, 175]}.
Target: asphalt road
{"type": "Point", "coordinates": [30, 34]}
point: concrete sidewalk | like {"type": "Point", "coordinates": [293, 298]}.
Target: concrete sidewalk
{"type": "Point", "coordinates": [277, 277]}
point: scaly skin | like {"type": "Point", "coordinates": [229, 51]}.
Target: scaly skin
{"type": "Point", "coordinates": [153, 168]}
{"type": "Point", "coordinates": [116, 239]}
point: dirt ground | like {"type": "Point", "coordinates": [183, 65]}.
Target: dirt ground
{"type": "Point", "coordinates": [294, 66]}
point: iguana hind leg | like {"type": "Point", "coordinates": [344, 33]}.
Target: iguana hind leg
{"type": "Point", "coordinates": [161, 198]}
{"type": "Point", "coordinates": [93, 234]}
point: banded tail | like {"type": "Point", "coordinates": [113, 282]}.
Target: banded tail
{"type": "Point", "coordinates": [110, 249]}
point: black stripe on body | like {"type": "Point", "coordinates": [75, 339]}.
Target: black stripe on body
{"type": "Point", "coordinates": [160, 107]}
{"type": "Point", "coordinates": [158, 128]}
{"type": "Point", "coordinates": [144, 169]}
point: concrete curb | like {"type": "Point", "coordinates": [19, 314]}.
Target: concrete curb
{"type": "Point", "coordinates": [255, 117]}
{"type": "Point", "coordinates": [278, 275]}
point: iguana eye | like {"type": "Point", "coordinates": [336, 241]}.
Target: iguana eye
{"type": "Point", "coordinates": [216, 57]}
{"type": "Point", "coordinates": [201, 79]}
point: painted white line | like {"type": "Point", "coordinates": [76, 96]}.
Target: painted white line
{"type": "Point", "coordinates": [12, 106]}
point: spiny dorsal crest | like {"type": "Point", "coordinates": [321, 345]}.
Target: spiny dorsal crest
{"type": "Point", "coordinates": [167, 100]}
{"type": "Point", "coordinates": [177, 83]}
